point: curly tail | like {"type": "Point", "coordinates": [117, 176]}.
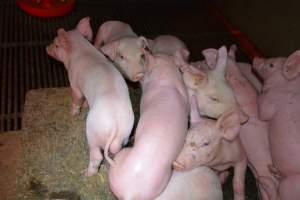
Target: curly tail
{"type": "Point", "coordinates": [106, 148]}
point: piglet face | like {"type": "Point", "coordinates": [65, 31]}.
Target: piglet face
{"type": "Point", "coordinates": [203, 142]}
{"type": "Point", "coordinates": [215, 96]}
{"type": "Point", "coordinates": [201, 146]}
{"type": "Point", "coordinates": [213, 93]}
{"type": "Point", "coordinates": [128, 54]}
{"type": "Point", "coordinates": [58, 49]}
{"type": "Point", "coordinates": [268, 67]}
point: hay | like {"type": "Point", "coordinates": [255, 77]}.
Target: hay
{"type": "Point", "coordinates": [54, 151]}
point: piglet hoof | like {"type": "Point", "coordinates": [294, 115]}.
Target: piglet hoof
{"type": "Point", "coordinates": [89, 172]}
{"type": "Point", "coordinates": [75, 110]}
{"type": "Point", "coordinates": [85, 104]}
{"type": "Point", "coordinates": [178, 166]}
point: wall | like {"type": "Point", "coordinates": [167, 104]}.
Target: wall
{"type": "Point", "coordinates": [273, 26]}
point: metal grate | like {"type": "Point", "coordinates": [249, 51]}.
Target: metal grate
{"type": "Point", "coordinates": [24, 64]}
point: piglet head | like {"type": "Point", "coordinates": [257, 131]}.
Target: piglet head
{"type": "Point", "coordinates": [267, 68]}
{"type": "Point", "coordinates": [202, 144]}
{"type": "Point", "coordinates": [289, 67]}
{"type": "Point", "coordinates": [60, 48]}
{"type": "Point", "coordinates": [129, 54]}
{"type": "Point", "coordinates": [213, 93]}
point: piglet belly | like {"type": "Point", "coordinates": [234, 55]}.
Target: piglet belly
{"type": "Point", "coordinates": [285, 139]}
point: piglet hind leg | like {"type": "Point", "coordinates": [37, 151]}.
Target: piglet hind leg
{"type": "Point", "coordinates": [96, 158]}
{"type": "Point", "coordinates": [94, 137]}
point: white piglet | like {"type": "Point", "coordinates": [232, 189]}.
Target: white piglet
{"type": "Point", "coordinates": [94, 78]}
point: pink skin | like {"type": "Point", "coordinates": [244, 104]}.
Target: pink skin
{"type": "Point", "coordinates": [200, 183]}
{"type": "Point", "coordinates": [246, 70]}
{"type": "Point", "coordinates": [110, 31]}
{"type": "Point", "coordinates": [254, 133]}
{"type": "Point", "coordinates": [279, 106]}
{"type": "Point", "coordinates": [215, 144]}
{"type": "Point", "coordinates": [212, 91]}
{"type": "Point", "coordinates": [128, 54]}
{"type": "Point", "coordinates": [123, 47]}
{"type": "Point", "coordinates": [94, 78]}
{"type": "Point", "coordinates": [170, 45]}
{"type": "Point", "coordinates": [143, 171]}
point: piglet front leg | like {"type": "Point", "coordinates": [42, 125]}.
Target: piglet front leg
{"type": "Point", "coordinates": [239, 180]}
{"type": "Point", "coordinates": [77, 101]}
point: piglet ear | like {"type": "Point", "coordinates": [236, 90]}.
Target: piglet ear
{"type": "Point", "coordinates": [210, 56]}
{"type": "Point", "coordinates": [111, 49]}
{"type": "Point", "coordinates": [194, 80]}
{"type": "Point", "coordinates": [183, 54]}
{"type": "Point", "coordinates": [229, 124]}
{"type": "Point", "coordinates": [232, 51]}
{"type": "Point", "coordinates": [84, 27]}
{"type": "Point", "coordinates": [150, 61]}
{"type": "Point", "coordinates": [291, 67]}
{"type": "Point", "coordinates": [181, 58]}
{"type": "Point", "coordinates": [150, 44]}
{"type": "Point", "coordinates": [61, 31]}
{"type": "Point", "coordinates": [62, 39]}
{"type": "Point", "coordinates": [221, 61]}
{"type": "Point", "coordinates": [143, 43]}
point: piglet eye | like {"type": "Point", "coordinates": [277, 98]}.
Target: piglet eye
{"type": "Point", "coordinates": [120, 56]}
{"type": "Point", "coordinates": [214, 99]}
{"type": "Point", "coordinates": [143, 56]}
{"type": "Point", "coordinates": [205, 144]}
{"type": "Point", "coordinates": [271, 65]}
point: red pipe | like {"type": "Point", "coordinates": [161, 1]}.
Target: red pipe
{"type": "Point", "coordinates": [246, 45]}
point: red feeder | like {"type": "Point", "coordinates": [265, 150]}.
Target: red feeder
{"type": "Point", "coordinates": [46, 8]}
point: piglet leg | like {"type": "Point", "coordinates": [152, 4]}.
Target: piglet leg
{"type": "Point", "coordinates": [77, 101]}
{"type": "Point", "coordinates": [96, 158]}
{"type": "Point", "coordinates": [239, 180]}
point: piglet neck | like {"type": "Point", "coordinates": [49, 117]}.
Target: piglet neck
{"type": "Point", "coordinates": [274, 81]}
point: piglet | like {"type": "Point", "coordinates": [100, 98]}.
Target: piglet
{"type": "Point", "coordinates": [200, 183]}
{"type": "Point", "coordinates": [170, 45]}
{"type": "Point", "coordinates": [93, 77]}
{"type": "Point", "coordinates": [125, 48]}
{"type": "Point", "coordinates": [212, 91]}
{"type": "Point", "coordinates": [110, 31]}
{"type": "Point", "coordinates": [143, 171]}
{"type": "Point", "coordinates": [254, 133]}
{"type": "Point", "coordinates": [279, 106]}
{"type": "Point", "coordinates": [215, 144]}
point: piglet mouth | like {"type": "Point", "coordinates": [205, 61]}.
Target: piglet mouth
{"type": "Point", "coordinates": [178, 166]}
